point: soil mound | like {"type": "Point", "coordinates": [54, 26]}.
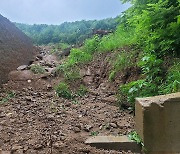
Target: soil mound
{"type": "Point", "coordinates": [15, 48]}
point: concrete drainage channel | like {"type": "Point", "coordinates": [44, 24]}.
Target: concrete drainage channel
{"type": "Point", "coordinates": [114, 143]}
{"type": "Point", "coordinates": [157, 123]}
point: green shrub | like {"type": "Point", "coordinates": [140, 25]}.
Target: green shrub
{"type": "Point", "coordinates": [152, 68]}
{"type": "Point", "coordinates": [77, 56]}
{"type": "Point", "coordinates": [62, 46]}
{"type": "Point", "coordinates": [59, 69]}
{"type": "Point", "coordinates": [63, 90]}
{"type": "Point", "coordinates": [139, 88]}
{"type": "Point", "coordinates": [91, 45]}
{"type": "Point", "coordinates": [70, 73]}
{"type": "Point", "coordinates": [172, 83]}
{"type": "Point", "coordinates": [120, 38]}
{"type": "Point", "coordinates": [37, 69]}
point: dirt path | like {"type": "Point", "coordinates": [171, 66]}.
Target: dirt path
{"type": "Point", "coordinates": [35, 120]}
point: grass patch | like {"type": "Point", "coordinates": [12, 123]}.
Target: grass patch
{"type": "Point", "coordinates": [69, 73]}
{"type": "Point", "coordinates": [172, 83]}
{"type": "Point", "coordinates": [135, 137]}
{"type": "Point", "coordinates": [8, 97]}
{"type": "Point", "coordinates": [62, 90]}
{"type": "Point", "coordinates": [37, 69]}
{"type": "Point", "coordinates": [120, 38]}
{"type": "Point", "coordinates": [78, 56]}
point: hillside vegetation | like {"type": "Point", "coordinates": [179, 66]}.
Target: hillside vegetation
{"type": "Point", "coordinates": [68, 32]}
{"type": "Point", "coordinates": [148, 39]}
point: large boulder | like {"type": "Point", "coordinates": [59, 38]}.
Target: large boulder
{"type": "Point", "coordinates": [15, 48]}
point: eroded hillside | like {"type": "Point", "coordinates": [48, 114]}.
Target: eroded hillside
{"type": "Point", "coordinates": [15, 48]}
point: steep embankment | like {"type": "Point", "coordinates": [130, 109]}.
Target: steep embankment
{"type": "Point", "coordinates": [15, 48]}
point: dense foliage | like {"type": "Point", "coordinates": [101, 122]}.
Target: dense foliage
{"type": "Point", "coordinates": [152, 28]}
{"type": "Point", "coordinates": [156, 24]}
{"type": "Point", "coordinates": [68, 32]}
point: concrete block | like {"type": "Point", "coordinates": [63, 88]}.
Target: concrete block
{"type": "Point", "coordinates": [158, 123]}
{"type": "Point", "coordinates": [114, 143]}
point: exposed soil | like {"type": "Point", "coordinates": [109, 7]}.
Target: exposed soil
{"type": "Point", "coordinates": [36, 121]}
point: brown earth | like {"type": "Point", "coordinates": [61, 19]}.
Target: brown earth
{"type": "Point", "coordinates": [15, 48]}
{"type": "Point", "coordinates": [36, 121]}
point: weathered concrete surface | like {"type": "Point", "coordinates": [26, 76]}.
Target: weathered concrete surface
{"type": "Point", "coordinates": [114, 143]}
{"type": "Point", "coordinates": [158, 123]}
{"type": "Point", "coordinates": [15, 48]}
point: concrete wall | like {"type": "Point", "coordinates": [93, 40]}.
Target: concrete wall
{"type": "Point", "coordinates": [158, 123]}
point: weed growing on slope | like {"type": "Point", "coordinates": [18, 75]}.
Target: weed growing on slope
{"type": "Point", "coordinates": [9, 96]}
{"type": "Point", "coordinates": [135, 137]}
{"type": "Point", "coordinates": [91, 45]}
{"type": "Point", "coordinates": [78, 56]}
{"type": "Point", "coordinates": [37, 69]}
{"type": "Point", "coordinates": [172, 83]}
{"type": "Point", "coordinates": [62, 90]}
{"type": "Point", "coordinates": [69, 73]}
{"type": "Point", "coordinates": [94, 133]}
{"type": "Point", "coordinates": [120, 38]}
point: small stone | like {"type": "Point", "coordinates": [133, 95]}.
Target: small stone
{"type": "Point", "coordinates": [80, 116]}
{"type": "Point", "coordinates": [113, 125]}
{"type": "Point", "coordinates": [100, 127]}
{"type": "Point", "coordinates": [28, 98]}
{"type": "Point", "coordinates": [2, 115]}
{"type": "Point", "coordinates": [68, 104]}
{"type": "Point", "coordinates": [26, 148]}
{"type": "Point", "coordinates": [40, 56]}
{"type": "Point", "coordinates": [84, 150]}
{"type": "Point", "coordinates": [77, 130]}
{"type": "Point", "coordinates": [57, 145]}
{"type": "Point", "coordinates": [3, 122]}
{"type": "Point", "coordinates": [38, 147]}
{"type": "Point", "coordinates": [110, 99]}
{"type": "Point", "coordinates": [22, 67]}
{"type": "Point", "coordinates": [50, 117]}
{"type": "Point", "coordinates": [87, 128]}
{"type": "Point", "coordinates": [49, 87]}
{"type": "Point", "coordinates": [19, 151]}
{"type": "Point", "coordinates": [16, 147]}
{"type": "Point", "coordinates": [29, 81]}
{"type": "Point", "coordinates": [62, 138]}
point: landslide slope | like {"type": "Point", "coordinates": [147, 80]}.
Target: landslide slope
{"type": "Point", "coordinates": [15, 48]}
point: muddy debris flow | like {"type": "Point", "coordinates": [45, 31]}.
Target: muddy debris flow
{"type": "Point", "coordinates": [35, 121]}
